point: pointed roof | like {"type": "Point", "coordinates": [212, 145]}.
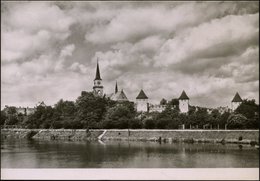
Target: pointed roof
{"type": "Point", "coordinates": [183, 96]}
{"type": "Point", "coordinates": [119, 96]}
{"type": "Point", "coordinates": [116, 89]}
{"type": "Point", "coordinates": [237, 98]}
{"type": "Point", "coordinates": [97, 73]}
{"type": "Point", "coordinates": [141, 95]}
{"type": "Point", "coordinates": [122, 96]}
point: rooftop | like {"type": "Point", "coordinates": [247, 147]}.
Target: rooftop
{"type": "Point", "coordinates": [141, 95]}
{"type": "Point", "coordinates": [119, 96]}
{"type": "Point", "coordinates": [183, 96]}
{"type": "Point", "coordinates": [237, 98]}
{"type": "Point", "coordinates": [97, 73]}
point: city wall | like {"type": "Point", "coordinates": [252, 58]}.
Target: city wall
{"type": "Point", "coordinates": [216, 136]}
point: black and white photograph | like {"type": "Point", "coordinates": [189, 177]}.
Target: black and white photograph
{"type": "Point", "coordinates": [138, 90]}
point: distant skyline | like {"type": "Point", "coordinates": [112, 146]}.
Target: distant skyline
{"type": "Point", "coordinates": [209, 49]}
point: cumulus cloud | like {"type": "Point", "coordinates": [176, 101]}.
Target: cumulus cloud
{"type": "Point", "coordinates": [65, 52]}
{"type": "Point", "coordinates": [209, 49]}
{"type": "Point", "coordinates": [35, 16]}
{"type": "Point", "coordinates": [143, 21]}
{"type": "Point", "coordinates": [31, 27]}
{"type": "Point", "coordinates": [208, 40]}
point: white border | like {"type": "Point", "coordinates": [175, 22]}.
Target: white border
{"type": "Point", "coordinates": [133, 174]}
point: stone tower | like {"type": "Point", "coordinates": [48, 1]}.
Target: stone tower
{"type": "Point", "coordinates": [142, 102]}
{"type": "Point", "coordinates": [184, 102]}
{"type": "Point", "coordinates": [236, 101]}
{"type": "Point", "coordinates": [98, 87]}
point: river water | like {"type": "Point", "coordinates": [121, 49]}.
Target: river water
{"type": "Point", "coordinates": [124, 154]}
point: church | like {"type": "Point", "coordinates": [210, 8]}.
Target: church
{"type": "Point", "coordinates": [142, 101]}
{"type": "Point", "coordinates": [98, 89]}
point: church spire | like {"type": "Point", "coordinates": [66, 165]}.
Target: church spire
{"type": "Point", "coordinates": [116, 89]}
{"type": "Point", "coordinates": [98, 87]}
{"type": "Point", "coordinates": [97, 72]}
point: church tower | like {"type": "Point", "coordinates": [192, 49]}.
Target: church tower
{"type": "Point", "coordinates": [142, 102]}
{"type": "Point", "coordinates": [184, 102]}
{"type": "Point", "coordinates": [98, 87]}
{"type": "Point", "coordinates": [236, 101]}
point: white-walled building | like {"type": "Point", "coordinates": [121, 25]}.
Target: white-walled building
{"type": "Point", "coordinates": [156, 108]}
{"type": "Point", "coordinates": [222, 109]}
{"type": "Point", "coordinates": [184, 102]}
{"type": "Point", "coordinates": [236, 101]}
{"type": "Point", "coordinates": [21, 110]}
{"type": "Point", "coordinates": [142, 102]}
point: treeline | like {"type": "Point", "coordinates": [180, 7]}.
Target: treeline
{"type": "Point", "coordinates": [92, 112]}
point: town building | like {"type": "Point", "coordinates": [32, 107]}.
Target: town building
{"type": "Point", "coordinates": [184, 102]}
{"type": "Point", "coordinates": [156, 108]}
{"type": "Point", "coordinates": [236, 101]}
{"type": "Point", "coordinates": [222, 109]}
{"type": "Point", "coordinates": [20, 110]}
{"type": "Point", "coordinates": [142, 102]}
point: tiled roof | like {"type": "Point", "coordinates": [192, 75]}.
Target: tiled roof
{"type": "Point", "coordinates": [119, 96]}
{"type": "Point", "coordinates": [141, 95]}
{"type": "Point", "coordinates": [183, 96]}
{"type": "Point", "coordinates": [237, 98]}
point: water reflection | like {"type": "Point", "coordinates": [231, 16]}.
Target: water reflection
{"type": "Point", "coordinates": [124, 154]}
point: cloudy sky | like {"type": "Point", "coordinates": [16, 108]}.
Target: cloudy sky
{"type": "Point", "coordinates": [209, 49]}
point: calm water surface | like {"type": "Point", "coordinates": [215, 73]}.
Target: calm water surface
{"type": "Point", "coordinates": [123, 154]}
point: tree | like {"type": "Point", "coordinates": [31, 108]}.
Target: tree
{"type": "Point", "coordinates": [90, 110]}
{"type": "Point", "coordinates": [248, 108]}
{"type": "Point", "coordinates": [192, 110]}
{"type": "Point", "coordinates": [149, 123]}
{"type": "Point", "coordinates": [174, 123]}
{"type": "Point", "coordinates": [135, 124]}
{"type": "Point", "coordinates": [64, 113]}
{"type": "Point", "coordinates": [214, 118]}
{"type": "Point", "coordinates": [189, 120]}
{"type": "Point", "coordinates": [43, 117]}
{"type": "Point", "coordinates": [65, 108]}
{"type": "Point", "coordinates": [202, 117]}
{"type": "Point", "coordinates": [3, 117]}
{"type": "Point", "coordinates": [11, 110]}
{"type": "Point", "coordinates": [163, 102]}
{"type": "Point", "coordinates": [174, 103]}
{"type": "Point", "coordinates": [163, 123]}
{"type": "Point", "coordinates": [223, 119]}
{"type": "Point", "coordinates": [236, 121]}
{"type": "Point", "coordinates": [119, 116]}
{"type": "Point", "coordinates": [12, 118]}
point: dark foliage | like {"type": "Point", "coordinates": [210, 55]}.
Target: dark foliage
{"type": "Point", "coordinates": [93, 112]}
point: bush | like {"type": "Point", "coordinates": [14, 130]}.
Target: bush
{"type": "Point", "coordinates": [135, 124]}
{"type": "Point", "coordinates": [236, 121]}
{"type": "Point", "coordinates": [174, 124]}
{"type": "Point", "coordinates": [57, 125]}
{"type": "Point", "coordinates": [150, 124]}
{"type": "Point", "coordinates": [162, 124]}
